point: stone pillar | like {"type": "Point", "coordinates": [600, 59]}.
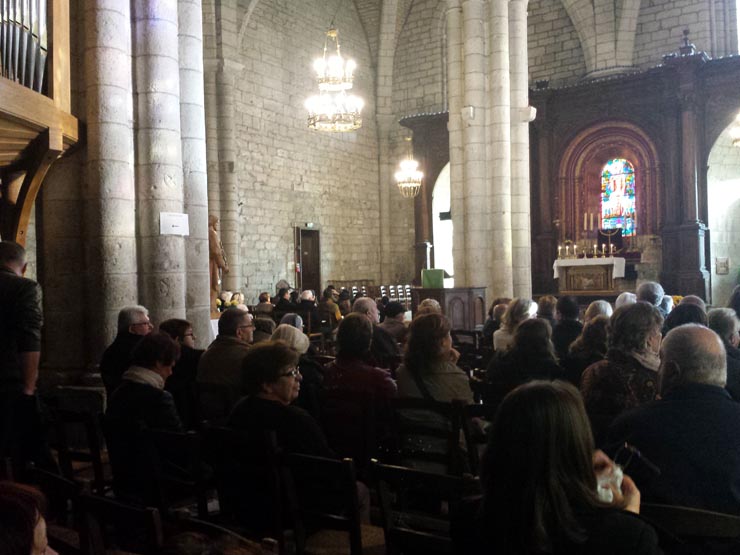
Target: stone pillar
{"type": "Point", "coordinates": [521, 115]}
{"type": "Point", "coordinates": [500, 282]}
{"type": "Point", "coordinates": [159, 158]}
{"type": "Point", "coordinates": [474, 146]}
{"type": "Point", "coordinates": [108, 195]}
{"type": "Point", "coordinates": [454, 126]}
{"type": "Point", "coordinates": [211, 106]}
{"type": "Point", "coordinates": [228, 190]}
{"type": "Point", "coordinates": [194, 165]}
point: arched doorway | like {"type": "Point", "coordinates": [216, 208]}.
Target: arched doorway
{"type": "Point", "coordinates": [723, 200]}
{"type": "Point", "coordinates": [442, 225]}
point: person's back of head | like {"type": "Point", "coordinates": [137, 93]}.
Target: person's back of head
{"type": "Point", "coordinates": [130, 316]}
{"type": "Point", "coordinates": [533, 340]}
{"type": "Point", "coordinates": [264, 297]}
{"type": "Point", "coordinates": [537, 472]}
{"type": "Point", "coordinates": [364, 305]}
{"type": "Point", "coordinates": [695, 300]}
{"type": "Point", "coordinates": [734, 301]}
{"type": "Point", "coordinates": [393, 309]}
{"type": "Point", "coordinates": [725, 323]}
{"type": "Point", "coordinates": [12, 256]}
{"type": "Point", "coordinates": [631, 326]}
{"type": "Point", "coordinates": [424, 342]}
{"type": "Point", "coordinates": [685, 314]}
{"type": "Point", "coordinates": [307, 295]}
{"type": "Point", "coordinates": [292, 336]}
{"type": "Point", "coordinates": [567, 308]}
{"type": "Point", "coordinates": [594, 337]}
{"type": "Point", "coordinates": [429, 306]}
{"type": "Point", "coordinates": [176, 328]}
{"type": "Point", "coordinates": [354, 336]}
{"type": "Point", "coordinates": [517, 311]}
{"type": "Point", "coordinates": [546, 306]}
{"type": "Point", "coordinates": [154, 348]}
{"type": "Point", "coordinates": [292, 319]}
{"type": "Point", "coordinates": [650, 292]}
{"type": "Point", "coordinates": [498, 312]}
{"type": "Point", "coordinates": [230, 320]}
{"type": "Point", "coordinates": [328, 294]}
{"type": "Point", "coordinates": [625, 298]}
{"type": "Point", "coordinates": [692, 354]}
{"type": "Point", "coordinates": [598, 308]}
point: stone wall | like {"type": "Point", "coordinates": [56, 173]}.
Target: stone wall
{"type": "Point", "coordinates": [287, 173]}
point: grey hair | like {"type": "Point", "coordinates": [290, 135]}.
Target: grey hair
{"type": "Point", "coordinates": [292, 336]}
{"type": "Point", "coordinates": [624, 299]}
{"type": "Point", "coordinates": [724, 322]}
{"type": "Point", "coordinates": [363, 305]}
{"type": "Point", "coordinates": [651, 292]}
{"type": "Point", "coordinates": [698, 352]}
{"type": "Point", "coordinates": [666, 303]}
{"type": "Point", "coordinates": [598, 308]}
{"type": "Point", "coordinates": [127, 316]}
{"type": "Point", "coordinates": [429, 305]}
{"type": "Point", "coordinates": [696, 300]}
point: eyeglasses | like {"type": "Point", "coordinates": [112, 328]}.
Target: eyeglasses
{"type": "Point", "coordinates": [147, 323]}
{"type": "Point", "coordinates": [293, 373]}
{"type": "Point", "coordinates": [628, 452]}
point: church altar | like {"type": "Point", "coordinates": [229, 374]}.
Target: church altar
{"type": "Point", "coordinates": [580, 276]}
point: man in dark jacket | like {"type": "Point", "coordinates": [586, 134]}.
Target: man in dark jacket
{"type": "Point", "coordinates": [133, 324]}
{"type": "Point", "coordinates": [568, 327]}
{"type": "Point", "coordinates": [20, 351]}
{"type": "Point", "coordinates": [692, 434]}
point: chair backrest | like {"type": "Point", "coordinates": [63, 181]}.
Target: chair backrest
{"type": "Point", "coordinates": [416, 508]}
{"type": "Point", "coordinates": [215, 401]}
{"type": "Point", "coordinates": [323, 492]}
{"type": "Point", "coordinates": [178, 468]}
{"type": "Point", "coordinates": [64, 515]}
{"type": "Point", "coordinates": [110, 523]}
{"type": "Point", "coordinates": [695, 525]}
{"type": "Point", "coordinates": [427, 433]}
{"type": "Point", "coordinates": [212, 532]}
{"type": "Point", "coordinates": [247, 478]}
{"type": "Point", "coordinates": [90, 423]}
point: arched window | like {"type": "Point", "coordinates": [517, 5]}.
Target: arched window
{"type": "Point", "coordinates": [618, 196]}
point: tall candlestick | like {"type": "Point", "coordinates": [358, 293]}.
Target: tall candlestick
{"type": "Point", "coordinates": [575, 251]}
{"type": "Point", "coordinates": [566, 250]}
{"type": "Point", "coordinates": [592, 221]}
{"type": "Point", "coordinates": [603, 249]}
{"type": "Point", "coordinates": [596, 249]}
{"type": "Point", "coordinates": [560, 248]}
{"type": "Point", "coordinates": [584, 221]}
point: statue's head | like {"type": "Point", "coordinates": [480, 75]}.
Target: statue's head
{"type": "Point", "coordinates": [213, 221]}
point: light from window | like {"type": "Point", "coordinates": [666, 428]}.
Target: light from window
{"type": "Point", "coordinates": [618, 196]}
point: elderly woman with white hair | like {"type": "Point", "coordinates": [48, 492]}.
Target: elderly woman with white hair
{"type": "Point", "coordinates": [312, 371]}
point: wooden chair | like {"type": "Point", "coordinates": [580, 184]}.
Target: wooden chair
{"type": "Point", "coordinates": [699, 531]}
{"type": "Point", "coordinates": [415, 509]}
{"type": "Point", "coordinates": [322, 493]}
{"type": "Point", "coordinates": [212, 533]}
{"type": "Point", "coordinates": [247, 477]}
{"type": "Point", "coordinates": [64, 516]}
{"type": "Point", "coordinates": [92, 454]}
{"type": "Point", "coordinates": [179, 470]}
{"type": "Point", "coordinates": [427, 434]}
{"type": "Point", "coordinates": [110, 524]}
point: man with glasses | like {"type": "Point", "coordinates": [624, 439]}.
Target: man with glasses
{"type": "Point", "coordinates": [133, 324]}
{"type": "Point", "coordinates": [219, 370]}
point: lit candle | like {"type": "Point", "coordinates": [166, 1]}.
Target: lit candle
{"type": "Point", "coordinates": [603, 249]}
{"type": "Point", "coordinates": [560, 248]}
{"type": "Point", "coordinates": [596, 249]}
{"type": "Point", "coordinates": [592, 221]}
{"type": "Point", "coordinates": [584, 221]}
{"type": "Point", "coordinates": [598, 221]}
{"type": "Point", "coordinates": [566, 250]}
{"type": "Point", "coordinates": [614, 248]}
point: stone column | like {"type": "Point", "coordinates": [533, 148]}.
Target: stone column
{"type": "Point", "coordinates": [194, 165]}
{"type": "Point", "coordinates": [108, 194]}
{"type": "Point", "coordinates": [500, 282]}
{"type": "Point", "coordinates": [159, 157]}
{"type": "Point", "coordinates": [474, 145]}
{"type": "Point", "coordinates": [228, 190]}
{"type": "Point", "coordinates": [521, 115]}
{"type": "Point", "coordinates": [454, 126]}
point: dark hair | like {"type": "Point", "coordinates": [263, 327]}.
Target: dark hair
{"type": "Point", "coordinates": [631, 324]}
{"type": "Point", "coordinates": [546, 305]}
{"type": "Point", "coordinates": [734, 301]}
{"type": "Point", "coordinates": [593, 338]}
{"type": "Point", "coordinates": [568, 308]}
{"type": "Point", "coordinates": [327, 294]}
{"type": "Point", "coordinates": [282, 292]}
{"type": "Point", "coordinates": [344, 295]}
{"type": "Point", "coordinates": [153, 348]}
{"type": "Point", "coordinates": [537, 473]}
{"type": "Point", "coordinates": [175, 328]}
{"type": "Point", "coordinates": [533, 341]}
{"type": "Point", "coordinates": [294, 294]}
{"type": "Point", "coordinates": [265, 325]}
{"type": "Point", "coordinates": [263, 364]}
{"type": "Point", "coordinates": [11, 253]}
{"type": "Point", "coordinates": [230, 320]}
{"type": "Point", "coordinates": [354, 336]}
{"type": "Point", "coordinates": [264, 297]}
{"type": "Point", "coordinates": [424, 345]}
{"type": "Point", "coordinates": [685, 314]}
{"type": "Point", "coordinates": [21, 507]}
{"type": "Point", "coordinates": [393, 309]}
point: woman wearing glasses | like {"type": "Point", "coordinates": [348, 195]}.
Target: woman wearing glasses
{"type": "Point", "coordinates": [272, 382]}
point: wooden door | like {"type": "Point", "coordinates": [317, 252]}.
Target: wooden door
{"type": "Point", "coordinates": [309, 276]}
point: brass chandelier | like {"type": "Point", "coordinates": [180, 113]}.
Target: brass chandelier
{"type": "Point", "coordinates": [408, 177]}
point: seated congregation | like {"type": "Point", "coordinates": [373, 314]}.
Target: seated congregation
{"type": "Point", "coordinates": [565, 430]}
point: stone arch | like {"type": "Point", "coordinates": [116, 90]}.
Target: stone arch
{"type": "Point", "coordinates": [580, 167]}
{"type": "Point", "coordinates": [245, 22]}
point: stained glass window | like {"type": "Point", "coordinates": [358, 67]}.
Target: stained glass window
{"type": "Point", "coordinates": [618, 196]}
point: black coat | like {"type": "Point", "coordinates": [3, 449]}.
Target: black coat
{"type": "Point", "coordinates": [133, 407]}
{"type": "Point", "coordinates": [564, 333]}
{"type": "Point", "coordinates": [733, 371]}
{"type": "Point", "coordinates": [116, 360]}
{"type": "Point", "coordinates": [693, 436]}
{"type": "Point", "coordinates": [181, 384]}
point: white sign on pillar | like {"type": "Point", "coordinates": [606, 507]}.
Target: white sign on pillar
{"type": "Point", "coordinates": [173, 223]}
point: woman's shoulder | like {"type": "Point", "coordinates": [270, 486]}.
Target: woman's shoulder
{"type": "Point", "coordinates": [615, 531]}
